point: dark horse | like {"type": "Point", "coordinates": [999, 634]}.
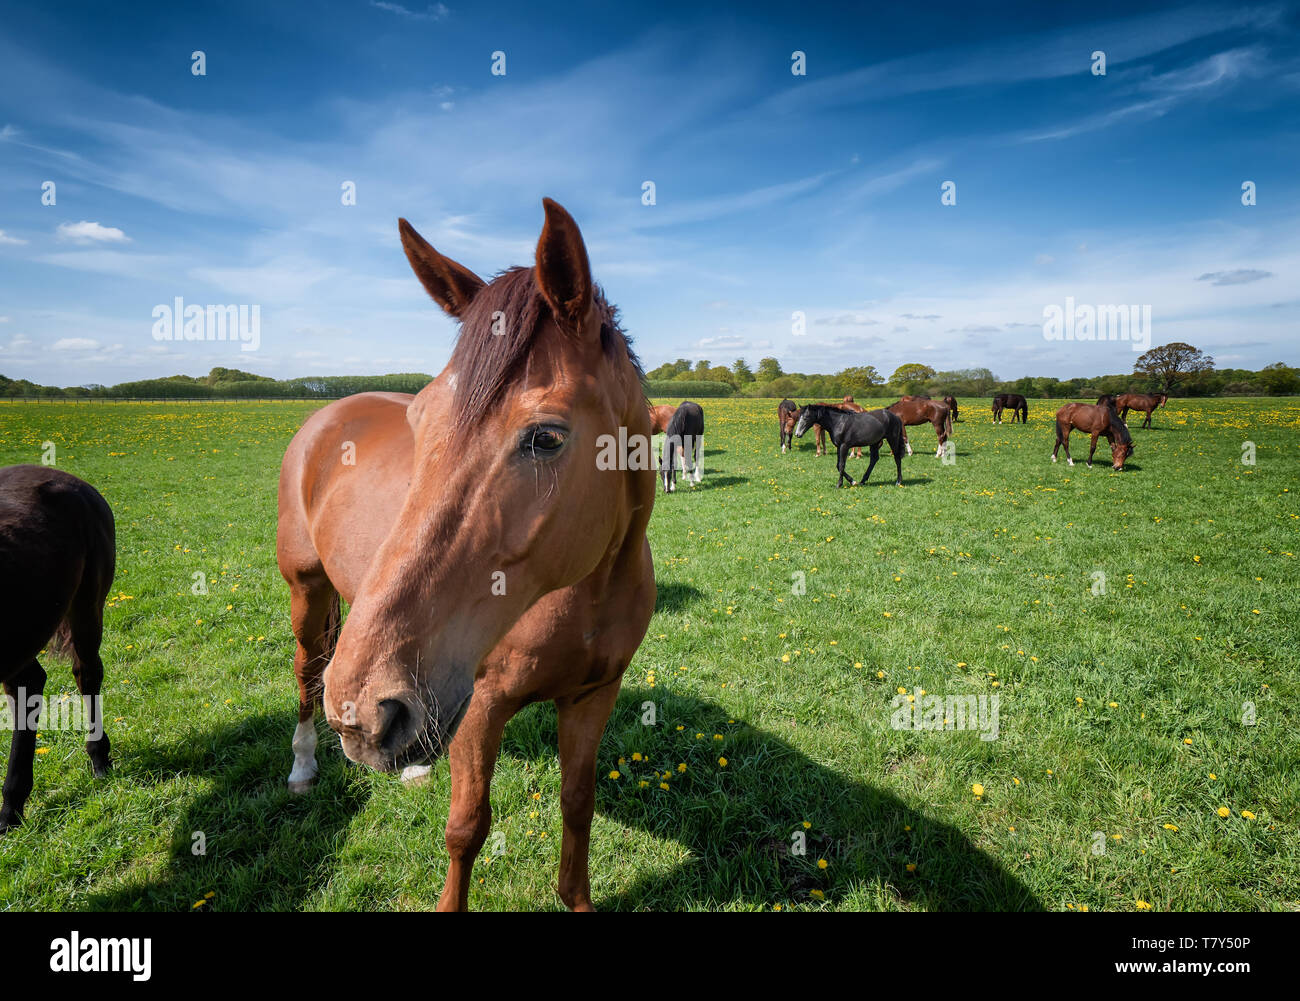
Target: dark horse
{"type": "Point", "coordinates": [785, 412]}
{"type": "Point", "coordinates": [853, 430]}
{"type": "Point", "coordinates": [685, 433]}
{"type": "Point", "coordinates": [57, 556]}
{"type": "Point", "coordinates": [1098, 422]}
{"type": "Point", "coordinates": [1145, 402]}
{"type": "Point", "coordinates": [1013, 402]}
{"type": "Point", "coordinates": [952, 405]}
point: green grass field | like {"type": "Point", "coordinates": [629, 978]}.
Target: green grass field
{"type": "Point", "coordinates": [1124, 734]}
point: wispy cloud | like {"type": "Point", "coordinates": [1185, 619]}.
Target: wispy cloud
{"type": "Point", "coordinates": [434, 12]}
{"type": "Point", "coordinates": [1241, 276]}
{"type": "Point", "coordinates": [90, 232]}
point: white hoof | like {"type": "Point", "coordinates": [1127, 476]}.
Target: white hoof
{"type": "Point", "coordinates": [1053, 458]}
{"type": "Point", "coordinates": [1071, 462]}
{"type": "Point", "coordinates": [416, 775]}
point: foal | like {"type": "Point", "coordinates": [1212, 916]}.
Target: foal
{"type": "Point", "coordinates": [849, 429]}
{"type": "Point", "coordinates": [57, 557]}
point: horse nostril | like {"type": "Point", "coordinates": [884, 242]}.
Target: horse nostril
{"type": "Point", "coordinates": [396, 726]}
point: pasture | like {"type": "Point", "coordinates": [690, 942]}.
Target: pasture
{"type": "Point", "coordinates": [1131, 715]}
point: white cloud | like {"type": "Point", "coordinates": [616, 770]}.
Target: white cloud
{"type": "Point", "coordinates": [74, 344]}
{"type": "Point", "coordinates": [6, 238]}
{"type": "Point", "coordinates": [91, 232]}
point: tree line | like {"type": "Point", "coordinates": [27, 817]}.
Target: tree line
{"type": "Point", "coordinates": [1176, 368]}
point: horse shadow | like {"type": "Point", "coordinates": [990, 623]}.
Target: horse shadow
{"type": "Point", "coordinates": [262, 846]}
{"type": "Point", "coordinates": [676, 597]}
{"type": "Point", "coordinates": [737, 824]}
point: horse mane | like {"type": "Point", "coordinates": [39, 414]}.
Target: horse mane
{"type": "Point", "coordinates": [1121, 429]}
{"type": "Point", "coordinates": [486, 362]}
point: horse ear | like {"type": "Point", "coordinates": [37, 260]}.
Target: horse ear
{"type": "Point", "coordinates": [563, 273]}
{"type": "Point", "coordinates": [452, 285]}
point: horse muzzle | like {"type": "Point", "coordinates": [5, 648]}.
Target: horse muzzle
{"type": "Point", "coordinates": [399, 729]}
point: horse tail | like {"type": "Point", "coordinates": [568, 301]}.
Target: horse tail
{"type": "Point", "coordinates": [60, 643]}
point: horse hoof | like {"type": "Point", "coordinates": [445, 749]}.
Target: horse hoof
{"type": "Point", "coordinates": [100, 769]}
{"type": "Point", "coordinates": [301, 786]}
{"type": "Point", "coordinates": [416, 775]}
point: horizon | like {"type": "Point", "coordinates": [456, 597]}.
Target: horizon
{"type": "Point", "coordinates": [775, 194]}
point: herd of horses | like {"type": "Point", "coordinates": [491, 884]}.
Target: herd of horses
{"type": "Point", "coordinates": [488, 559]}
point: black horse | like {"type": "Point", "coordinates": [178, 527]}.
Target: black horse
{"type": "Point", "coordinates": [1013, 402]}
{"type": "Point", "coordinates": [685, 435]}
{"type": "Point", "coordinates": [852, 430]}
{"type": "Point", "coordinates": [785, 412]}
{"type": "Point", "coordinates": [57, 557]}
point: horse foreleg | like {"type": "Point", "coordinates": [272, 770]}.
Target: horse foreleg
{"type": "Point", "coordinates": [1092, 448]}
{"type": "Point", "coordinates": [473, 756]}
{"type": "Point", "coordinates": [28, 682]}
{"type": "Point", "coordinates": [312, 604]}
{"type": "Point", "coordinates": [580, 725]}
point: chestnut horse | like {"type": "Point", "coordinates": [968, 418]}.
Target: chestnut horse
{"type": "Point", "coordinates": [914, 410]}
{"type": "Point", "coordinates": [490, 557]}
{"type": "Point", "coordinates": [1096, 421]}
{"type": "Point", "coordinates": [57, 557]}
{"type": "Point", "coordinates": [1145, 402]}
{"type": "Point", "coordinates": [660, 416]}
{"type": "Point", "coordinates": [785, 418]}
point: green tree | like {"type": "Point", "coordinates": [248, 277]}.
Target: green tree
{"type": "Point", "coordinates": [741, 370]}
{"type": "Point", "coordinates": [1170, 363]}
{"type": "Point", "coordinates": [912, 377]}
{"type": "Point", "coordinates": [769, 369]}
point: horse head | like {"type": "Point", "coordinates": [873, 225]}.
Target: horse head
{"type": "Point", "coordinates": [507, 443]}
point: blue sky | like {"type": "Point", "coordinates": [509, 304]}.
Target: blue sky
{"type": "Point", "coordinates": [775, 193]}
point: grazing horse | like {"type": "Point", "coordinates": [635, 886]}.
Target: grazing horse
{"type": "Point", "coordinates": [1098, 422]}
{"type": "Point", "coordinates": [490, 556]}
{"type": "Point", "coordinates": [952, 405]}
{"type": "Point", "coordinates": [660, 416]}
{"type": "Point", "coordinates": [1014, 402]}
{"type": "Point", "coordinates": [684, 435]}
{"type": "Point", "coordinates": [849, 428]}
{"type": "Point", "coordinates": [786, 412]}
{"type": "Point", "coordinates": [1145, 402]}
{"type": "Point", "coordinates": [914, 410]}
{"type": "Point", "coordinates": [57, 556]}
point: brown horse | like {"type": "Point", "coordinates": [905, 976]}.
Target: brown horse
{"type": "Point", "coordinates": [1098, 422]}
{"type": "Point", "coordinates": [492, 554]}
{"type": "Point", "coordinates": [785, 419]}
{"type": "Point", "coordinates": [1014, 402]}
{"type": "Point", "coordinates": [952, 405]}
{"type": "Point", "coordinates": [914, 410]}
{"type": "Point", "coordinates": [660, 416]}
{"type": "Point", "coordinates": [1145, 402]}
{"type": "Point", "coordinates": [57, 556]}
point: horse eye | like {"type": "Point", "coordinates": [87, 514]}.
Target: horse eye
{"type": "Point", "coordinates": [542, 442]}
